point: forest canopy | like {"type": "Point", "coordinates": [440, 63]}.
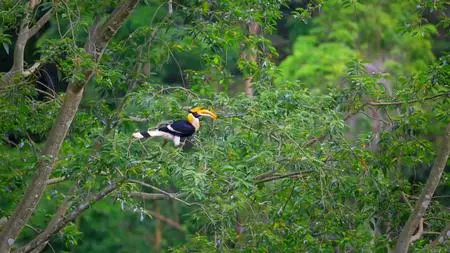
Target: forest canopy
{"type": "Point", "coordinates": [332, 130]}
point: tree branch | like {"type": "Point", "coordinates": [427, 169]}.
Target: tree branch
{"type": "Point", "coordinates": [104, 33]}
{"type": "Point", "coordinates": [58, 223]}
{"type": "Point", "coordinates": [274, 177]}
{"type": "Point", "coordinates": [166, 220]}
{"type": "Point", "coordinates": [159, 190]}
{"type": "Point", "coordinates": [425, 196]}
{"type": "Point", "coordinates": [136, 119]}
{"type": "Point", "coordinates": [24, 35]}
{"type": "Point", "coordinates": [40, 23]}
{"type": "Point", "coordinates": [419, 232]}
{"type": "Point", "coordinates": [323, 137]}
{"type": "Point", "coordinates": [57, 217]}
{"type": "Point", "coordinates": [31, 69]}
{"type": "Point", "coordinates": [55, 180]}
{"type": "Point", "coordinates": [153, 196]}
{"type": "Point", "coordinates": [49, 154]}
{"type": "Point", "coordinates": [251, 55]}
{"type": "Point", "coordinates": [373, 103]}
{"type": "Point", "coordinates": [380, 103]}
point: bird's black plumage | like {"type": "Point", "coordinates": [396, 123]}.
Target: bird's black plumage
{"type": "Point", "coordinates": [180, 128]}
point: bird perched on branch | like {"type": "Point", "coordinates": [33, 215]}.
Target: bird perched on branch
{"type": "Point", "coordinates": [179, 128]}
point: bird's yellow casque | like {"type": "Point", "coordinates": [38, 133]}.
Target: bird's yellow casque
{"type": "Point", "coordinates": [179, 128]}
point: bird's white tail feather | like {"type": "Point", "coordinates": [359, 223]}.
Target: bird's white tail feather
{"type": "Point", "coordinates": [156, 133]}
{"type": "Point", "coordinates": [138, 135]}
{"type": "Point", "coordinates": [153, 133]}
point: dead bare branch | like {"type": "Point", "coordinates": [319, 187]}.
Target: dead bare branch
{"type": "Point", "coordinates": [165, 219]}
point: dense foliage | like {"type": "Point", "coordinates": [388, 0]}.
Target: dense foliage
{"type": "Point", "coordinates": [329, 154]}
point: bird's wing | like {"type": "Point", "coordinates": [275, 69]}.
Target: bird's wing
{"type": "Point", "coordinates": [180, 128]}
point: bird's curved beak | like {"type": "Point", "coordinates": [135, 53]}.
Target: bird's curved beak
{"type": "Point", "coordinates": [207, 113]}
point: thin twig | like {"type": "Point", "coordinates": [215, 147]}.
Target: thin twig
{"type": "Point", "coordinates": [381, 103]}
{"type": "Point", "coordinates": [405, 198]}
{"type": "Point", "coordinates": [153, 196]}
{"type": "Point", "coordinates": [323, 137]}
{"type": "Point", "coordinates": [136, 119]}
{"type": "Point", "coordinates": [159, 190]}
{"type": "Point", "coordinates": [277, 177]}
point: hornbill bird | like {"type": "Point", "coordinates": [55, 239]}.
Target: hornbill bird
{"type": "Point", "coordinates": [179, 128]}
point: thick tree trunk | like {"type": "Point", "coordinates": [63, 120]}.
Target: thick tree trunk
{"type": "Point", "coordinates": [96, 44]}
{"type": "Point", "coordinates": [425, 196]}
{"type": "Point", "coordinates": [44, 167]}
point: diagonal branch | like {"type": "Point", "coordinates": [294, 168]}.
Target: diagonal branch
{"type": "Point", "coordinates": [57, 224]}
{"type": "Point", "coordinates": [169, 195]}
{"type": "Point", "coordinates": [165, 219]}
{"type": "Point", "coordinates": [425, 196]}
{"type": "Point", "coordinates": [24, 35]}
{"type": "Point", "coordinates": [40, 23]}
{"type": "Point", "coordinates": [31, 69]}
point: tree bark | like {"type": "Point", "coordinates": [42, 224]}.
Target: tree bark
{"type": "Point", "coordinates": [158, 229]}
{"type": "Point", "coordinates": [425, 197]}
{"type": "Point", "coordinates": [97, 43]}
{"type": "Point", "coordinates": [251, 56]}
{"type": "Point", "coordinates": [60, 222]}
{"type": "Point", "coordinates": [24, 35]}
{"type": "Point", "coordinates": [153, 196]}
{"type": "Point", "coordinates": [43, 169]}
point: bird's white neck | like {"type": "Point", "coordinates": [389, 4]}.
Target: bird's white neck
{"type": "Point", "coordinates": [194, 121]}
